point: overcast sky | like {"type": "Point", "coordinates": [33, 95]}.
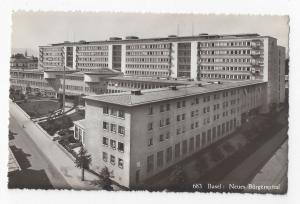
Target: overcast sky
{"type": "Point", "coordinates": [31, 29]}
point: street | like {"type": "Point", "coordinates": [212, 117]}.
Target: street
{"type": "Point", "coordinates": [37, 161]}
{"type": "Point", "coordinates": [45, 154]}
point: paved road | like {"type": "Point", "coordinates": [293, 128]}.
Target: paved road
{"type": "Point", "coordinates": [37, 160]}
{"type": "Point", "coordinates": [244, 173]}
{"type": "Point", "coordinates": [57, 160]}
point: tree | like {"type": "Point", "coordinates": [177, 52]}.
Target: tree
{"type": "Point", "coordinates": [83, 161]}
{"type": "Point", "coordinates": [105, 181]}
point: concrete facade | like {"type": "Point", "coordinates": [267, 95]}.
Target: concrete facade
{"type": "Point", "coordinates": [163, 126]}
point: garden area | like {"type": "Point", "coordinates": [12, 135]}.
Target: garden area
{"type": "Point", "coordinates": [36, 109]}
{"type": "Point", "coordinates": [51, 126]}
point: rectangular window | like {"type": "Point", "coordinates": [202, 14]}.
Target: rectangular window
{"type": "Point", "coordinates": [113, 128]}
{"type": "Point", "coordinates": [104, 156]}
{"type": "Point", "coordinates": [160, 158]}
{"type": "Point", "coordinates": [209, 136]}
{"type": "Point", "coordinates": [167, 121]}
{"type": "Point", "coordinates": [191, 147]}
{"type": "Point", "coordinates": [112, 159]}
{"type": "Point", "coordinates": [183, 103]}
{"type": "Point", "coordinates": [150, 163]}
{"type": "Point", "coordinates": [161, 123]}
{"type": "Point", "coordinates": [197, 141]}
{"type": "Point", "coordinates": [178, 117]}
{"type": "Point", "coordinates": [167, 135]}
{"type": "Point", "coordinates": [219, 131]}
{"type": "Point", "coordinates": [183, 116]}
{"type": "Point", "coordinates": [105, 110]}
{"type": "Point", "coordinates": [150, 142]}
{"type": "Point", "coordinates": [121, 114]}
{"type": "Point", "coordinates": [227, 126]}
{"type": "Point", "coordinates": [120, 163]}
{"type": "Point", "coordinates": [167, 106]}
{"type": "Point", "coordinates": [177, 150]}
{"type": "Point", "coordinates": [150, 126]}
{"type": "Point", "coordinates": [223, 128]}
{"type": "Point", "coordinates": [184, 147]}
{"type": "Point", "coordinates": [121, 130]}
{"type": "Point", "coordinates": [113, 144]}
{"type": "Point", "coordinates": [120, 146]}
{"type": "Point", "coordinates": [161, 137]}
{"type": "Point", "coordinates": [113, 112]}
{"type": "Point", "coordinates": [105, 125]}
{"type": "Point", "coordinates": [214, 134]}
{"type": "Point", "coordinates": [178, 104]}
{"type": "Point", "coordinates": [105, 141]}
{"type": "Point", "coordinates": [150, 110]}
{"type": "Point", "coordinates": [203, 138]}
{"type": "Point", "coordinates": [161, 108]}
{"type": "Point", "coordinates": [169, 154]}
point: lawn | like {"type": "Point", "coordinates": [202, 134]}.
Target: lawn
{"type": "Point", "coordinates": [36, 109]}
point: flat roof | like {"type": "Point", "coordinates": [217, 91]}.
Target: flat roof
{"type": "Point", "coordinates": [39, 71]}
{"type": "Point", "coordinates": [160, 39]}
{"type": "Point", "coordinates": [163, 94]}
{"type": "Point", "coordinates": [150, 79]}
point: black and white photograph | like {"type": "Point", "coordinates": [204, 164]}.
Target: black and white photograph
{"type": "Point", "coordinates": [99, 102]}
{"type": "Point", "coordinates": [192, 103]}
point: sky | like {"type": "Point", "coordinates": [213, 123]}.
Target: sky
{"type": "Point", "coordinates": [31, 29]}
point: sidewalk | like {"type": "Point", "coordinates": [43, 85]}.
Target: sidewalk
{"type": "Point", "coordinates": [53, 153]}
{"type": "Point", "coordinates": [244, 172]}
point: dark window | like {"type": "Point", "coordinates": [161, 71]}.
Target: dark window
{"type": "Point", "coordinates": [120, 146]}
{"type": "Point", "coordinates": [169, 154]}
{"type": "Point", "coordinates": [198, 141]}
{"type": "Point", "coordinates": [150, 163]}
{"type": "Point", "coordinates": [160, 158]}
{"type": "Point", "coordinates": [184, 147]}
{"type": "Point", "coordinates": [177, 150]}
{"type": "Point", "coordinates": [191, 146]}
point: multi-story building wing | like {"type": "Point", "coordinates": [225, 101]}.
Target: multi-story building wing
{"type": "Point", "coordinates": [203, 57]}
{"type": "Point", "coordinates": [139, 134]}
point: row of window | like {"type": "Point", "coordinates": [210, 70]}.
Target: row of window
{"type": "Point", "coordinates": [225, 60]}
{"type": "Point", "coordinates": [94, 59]}
{"type": "Point", "coordinates": [113, 128]}
{"type": "Point", "coordinates": [113, 144]}
{"type": "Point", "coordinates": [224, 76]}
{"type": "Point", "coordinates": [226, 52]}
{"type": "Point", "coordinates": [114, 112]}
{"type": "Point", "coordinates": [147, 73]}
{"type": "Point", "coordinates": [88, 48]}
{"type": "Point", "coordinates": [182, 148]}
{"type": "Point", "coordinates": [226, 44]}
{"type": "Point", "coordinates": [112, 160]}
{"type": "Point", "coordinates": [224, 68]}
{"type": "Point", "coordinates": [92, 53]}
{"type": "Point", "coordinates": [147, 60]}
{"type": "Point", "coordinates": [93, 65]}
{"type": "Point", "coordinates": [148, 66]}
{"type": "Point", "coordinates": [147, 46]}
{"type": "Point", "coordinates": [52, 63]}
{"type": "Point", "coordinates": [146, 53]}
